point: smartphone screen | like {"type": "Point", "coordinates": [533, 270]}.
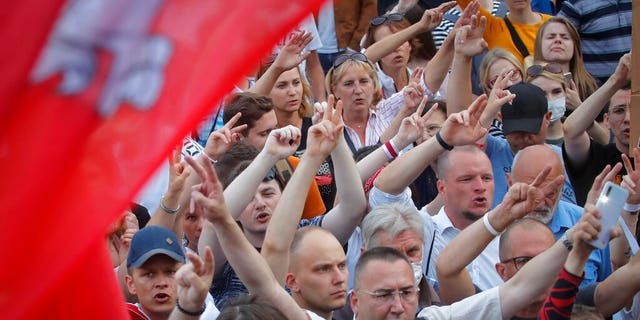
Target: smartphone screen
{"type": "Point", "coordinates": [610, 203]}
{"type": "Point", "coordinates": [568, 77]}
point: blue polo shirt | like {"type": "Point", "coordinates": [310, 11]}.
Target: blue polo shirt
{"type": "Point", "coordinates": [598, 266]}
{"type": "Point", "coordinates": [499, 152]}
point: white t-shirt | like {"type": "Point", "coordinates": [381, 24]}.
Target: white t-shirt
{"type": "Point", "coordinates": [484, 305]}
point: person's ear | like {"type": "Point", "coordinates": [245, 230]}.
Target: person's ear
{"type": "Point", "coordinates": [353, 300]}
{"type": "Point", "coordinates": [502, 271]}
{"type": "Point", "coordinates": [292, 284]}
{"type": "Point", "coordinates": [547, 118]}
{"type": "Point", "coordinates": [130, 285]}
{"type": "Point", "coordinates": [440, 185]}
{"type": "Point", "coordinates": [605, 119]}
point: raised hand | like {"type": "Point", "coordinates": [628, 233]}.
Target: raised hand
{"type": "Point", "coordinates": [131, 226]}
{"type": "Point", "coordinates": [208, 195]}
{"type": "Point", "coordinates": [466, 18]}
{"type": "Point", "coordinates": [433, 17]}
{"type": "Point", "coordinates": [469, 38]}
{"type": "Point", "coordinates": [464, 127]}
{"type": "Point", "coordinates": [413, 92]}
{"type": "Point", "coordinates": [607, 174]}
{"type": "Point", "coordinates": [522, 198]}
{"type": "Point", "coordinates": [631, 181]}
{"type": "Point", "coordinates": [283, 142]}
{"type": "Point", "coordinates": [622, 75]}
{"type": "Point", "coordinates": [572, 96]}
{"type": "Point", "coordinates": [291, 54]}
{"type": "Point", "coordinates": [413, 126]}
{"type": "Point", "coordinates": [178, 173]}
{"type": "Point", "coordinates": [318, 111]}
{"type": "Point", "coordinates": [194, 279]}
{"type": "Point", "coordinates": [323, 137]}
{"type": "Point", "coordinates": [221, 140]}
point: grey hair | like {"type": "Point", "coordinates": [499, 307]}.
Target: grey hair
{"type": "Point", "coordinates": [392, 218]}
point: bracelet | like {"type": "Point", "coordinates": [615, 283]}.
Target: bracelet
{"type": "Point", "coordinates": [631, 208]}
{"type": "Point", "coordinates": [443, 144]}
{"type": "Point", "coordinates": [214, 161]}
{"type": "Point", "coordinates": [390, 150]}
{"type": "Point", "coordinates": [191, 313]}
{"type": "Point", "coordinates": [488, 225]}
{"type": "Point", "coordinates": [167, 210]}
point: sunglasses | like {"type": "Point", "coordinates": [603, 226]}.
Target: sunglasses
{"type": "Point", "coordinates": [382, 19]}
{"type": "Point", "coordinates": [536, 69]}
{"type": "Point", "coordinates": [349, 56]}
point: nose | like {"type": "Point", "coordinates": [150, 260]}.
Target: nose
{"type": "Point", "coordinates": [357, 88]}
{"type": "Point", "coordinates": [479, 184]}
{"type": "Point", "coordinates": [162, 280]}
{"type": "Point", "coordinates": [396, 306]}
{"type": "Point", "coordinates": [339, 276]}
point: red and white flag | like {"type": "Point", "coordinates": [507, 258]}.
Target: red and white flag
{"type": "Point", "coordinates": [93, 95]}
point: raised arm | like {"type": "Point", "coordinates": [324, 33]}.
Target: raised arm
{"type": "Point", "coordinates": [322, 139]}
{"type": "Point", "coordinates": [576, 140]}
{"type": "Point", "coordinates": [620, 248]}
{"type": "Point", "coordinates": [289, 57]}
{"type": "Point", "coordinates": [170, 212]}
{"type": "Point", "coordinates": [459, 129]}
{"type": "Point", "coordinates": [430, 19]}
{"type": "Point", "coordinates": [240, 192]}
{"type": "Point", "coordinates": [411, 129]}
{"type": "Point", "coordinates": [539, 274]}
{"type": "Point", "coordinates": [453, 279]}
{"type": "Point", "coordinates": [193, 281]}
{"type": "Point", "coordinates": [248, 264]}
{"type": "Point", "coordinates": [468, 43]}
{"type": "Point", "coordinates": [437, 68]}
{"type": "Point", "coordinates": [413, 94]}
{"type": "Point", "coordinates": [618, 289]}
{"type": "Point", "coordinates": [560, 301]}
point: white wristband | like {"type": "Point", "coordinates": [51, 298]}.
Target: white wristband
{"type": "Point", "coordinates": [488, 225]}
{"type": "Point", "coordinates": [631, 207]}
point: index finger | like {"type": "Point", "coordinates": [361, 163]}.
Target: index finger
{"type": "Point", "coordinates": [176, 155]}
{"type": "Point", "coordinates": [477, 107]}
{"type": "Point", "coordinates": [627, 163]}
{"type": "Point", "coordinates": [541, 176]}
{"type": "Point", "coordinates": [330, 105]}
{"type": "Point", "coordinates": [336, 118]}
{"type": "Point", "coordinates": [447, 6]}
{"type": "Point", "coordinates": [233, 120]}
{"type": "Point", "coordinates": [197, 167]}
{"type": "Point", "coordinates": [423, 102]}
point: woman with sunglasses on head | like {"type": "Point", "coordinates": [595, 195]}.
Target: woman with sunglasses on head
{"type": "Point", "coordinates": [390, 43]}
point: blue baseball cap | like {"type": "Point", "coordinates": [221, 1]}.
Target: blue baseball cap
{"type": "Point", "coordinates": [152, 240]}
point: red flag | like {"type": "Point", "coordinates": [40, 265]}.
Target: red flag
{"type": "Point", "coordinates": [93, 95]}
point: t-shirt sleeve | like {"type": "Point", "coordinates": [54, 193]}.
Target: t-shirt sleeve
{"type": "Point", "coordinates": [484, 305]}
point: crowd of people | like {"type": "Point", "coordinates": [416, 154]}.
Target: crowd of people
{"type": "Point", "coordinates": [431, 160]}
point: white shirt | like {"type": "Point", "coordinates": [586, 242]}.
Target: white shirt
{"type": "Point", "coordinates": [484, 305]}
{"type": "Point", "coordinates": [482, 269]}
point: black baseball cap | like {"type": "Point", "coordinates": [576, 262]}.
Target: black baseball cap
{"type": "Point", "coordinates": [526, 112]}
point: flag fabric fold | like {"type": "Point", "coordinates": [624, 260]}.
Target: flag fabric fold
{"type": "Point", "coordinates": [94, 94]}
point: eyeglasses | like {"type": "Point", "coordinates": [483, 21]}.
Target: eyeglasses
{"type": "Point", "coordinates": [536, 69]}
{"type": "Point", "coordinates": [388, 296]}
{"type": "Point", "coordinates": [518, 262]}
{"type": "Point", "coordinates": [349, 56]}
{"type": "Point", "coordinates": [382, 19]}
{"type": "Point", "coordinates": [516, 76]}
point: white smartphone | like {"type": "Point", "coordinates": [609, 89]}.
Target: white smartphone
{"type": "Point", "coordinates": [610, 203]}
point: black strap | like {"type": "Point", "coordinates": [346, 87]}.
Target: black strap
{"type": "Point", "coordinates": [431, 250]}
{"type": "Point", "coordinates": [349, 142]}
{"type": "Point", "coordinates": [516, 38]}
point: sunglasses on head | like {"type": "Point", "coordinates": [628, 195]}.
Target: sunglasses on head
{"type": "Point", "coordinates": [536, 69]}
{"type": "Point", "coordinates": [349, 56]}
{"type": "Point", "coordinates": [382, 19]}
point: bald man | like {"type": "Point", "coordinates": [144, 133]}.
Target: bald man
{"type": "Point", "coordinates": [558, 214]}
{"type": "Point", "coordinates": [317, 272]}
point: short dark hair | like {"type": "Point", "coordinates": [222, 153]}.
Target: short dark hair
{"type": "Point", "coordinates": [249, 307]}
{"type": "Point", "coordinates": [376, 254]}
{"type": "Point", "coordinates": [239, 152]}
{"type": "Point", "coordinates": [252, 106]}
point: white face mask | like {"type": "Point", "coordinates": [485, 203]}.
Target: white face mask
{"type": "Point", "coordinates": [557, 108]}
{"type": "Point", "coordinates": [417, 271]}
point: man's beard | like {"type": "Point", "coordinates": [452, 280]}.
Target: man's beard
{"type": "Point", "coordinates": [543, 214]}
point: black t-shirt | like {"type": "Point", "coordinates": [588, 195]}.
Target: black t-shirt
{"type": "Point", "coordinates": [582, 177]}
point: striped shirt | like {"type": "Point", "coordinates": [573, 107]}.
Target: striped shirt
{"type": "Point", "coordinates": [605, 32]}
{"type": "Point", "coordinates": [379, 121]}
{"type": "Point", "coordinates": [440, 32]}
